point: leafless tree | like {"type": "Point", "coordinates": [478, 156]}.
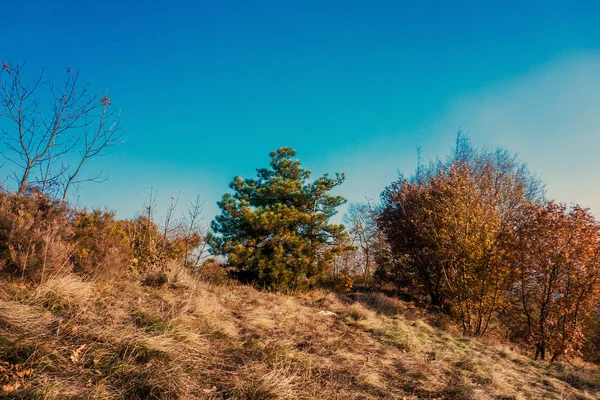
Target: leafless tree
{"type": "Point", "coordinates": [149, 215]}
{"type": "Point", "coordinates": [168, 227]}
{"type": "Point", "coordinates": [193, 224]}
{"type": "Point", "coordinates": [51, 130]}
{"type": "Point", "coordinates": [361, 224]}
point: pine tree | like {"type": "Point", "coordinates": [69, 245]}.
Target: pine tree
{"type": "Point", "coordinates": [275, 229]}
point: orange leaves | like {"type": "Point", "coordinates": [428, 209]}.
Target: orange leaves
{"type": "Point", "coordinates": [105, 101]}
{"type": "Point", "coordinates": [25, 372]}
{"type": "Point", "coordinates": [11, 388]}
{"type": "Point", "coordinates": [447, 234]}
{"type": "Point", "coordinates": [12, 376]}
{"type": "Point", "coordinates": [558, 262]}
{"type": "Point", "coordinates": [449, 228]}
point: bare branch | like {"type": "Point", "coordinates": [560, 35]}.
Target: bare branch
{"type": "Point", "coordinates": [53, 130]}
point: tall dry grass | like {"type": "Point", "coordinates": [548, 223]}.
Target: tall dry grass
{"type": "Point", "coordinates": [74, 338]}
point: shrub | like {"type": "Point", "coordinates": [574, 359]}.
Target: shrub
{"type": "Point", "coordinates": [35, 235]}
{"type": "Point", "coordinates": [41, 237]}
{"type": "Point", "coordinates": [345, 282]}
{"type": "Point", "coordinates": [103, 248]}
{"type": "Point", "coordinates": [151, 247]}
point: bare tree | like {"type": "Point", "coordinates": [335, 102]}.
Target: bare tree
{"type": "Point", "coordinates": [148, 219]}
{"type": "Point", "coordinates": [195, 228]}
{"type": "Point", "coordinates": [51, 130]}
{"type": "Point", "coordinates": [361, 224]}
{"type": "Point", "coordinates": [169, 229]}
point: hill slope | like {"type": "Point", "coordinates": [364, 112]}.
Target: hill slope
{"type": "Point", "coordinates": [190, 339]}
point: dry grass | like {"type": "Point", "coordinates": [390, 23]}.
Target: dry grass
{"type": "Point", "coordinates": [190, 339]}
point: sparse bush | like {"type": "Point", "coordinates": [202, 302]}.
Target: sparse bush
{"type": "Point", "coordinates": [152, 247]}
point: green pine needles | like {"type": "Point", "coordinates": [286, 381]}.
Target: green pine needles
{"type": "Point", "coordinates": [275, 229]}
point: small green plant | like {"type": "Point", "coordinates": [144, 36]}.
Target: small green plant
{"type": "Point", "coordinates": [151, 323]}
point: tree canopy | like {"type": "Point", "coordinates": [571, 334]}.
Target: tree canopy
{"type": "Point", "coordinates": [275, 229]}
{"type": "Point", "coordinates": [448, 225]}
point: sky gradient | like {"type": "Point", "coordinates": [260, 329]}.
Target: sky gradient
{"type": "Point", "coordinates": [207, 89]}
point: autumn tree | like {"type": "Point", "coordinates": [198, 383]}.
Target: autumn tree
{"type": "Point", "coordinates": [410, 232]}
{"type": "Point", "coordinates": [447, 227]}
{"type": "Point", "coordinates": [193, 225]}
{"type": "Point", "coordinates": [275, 228]}
{"type": "Point", "coordinates": [441, 231]}
{"type": "Point", "coordinates": [558, 265]}
{"type": "Point", "coordinates": [51, 130]}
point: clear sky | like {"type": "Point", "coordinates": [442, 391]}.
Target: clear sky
{"type": "Point", "coordinates": [207, 89]}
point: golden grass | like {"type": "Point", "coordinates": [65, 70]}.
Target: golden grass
{"type": "Point", "coordinates": [191, 339]}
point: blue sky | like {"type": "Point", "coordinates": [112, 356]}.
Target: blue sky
{"type": "Point", "coordinates": [207, 89]}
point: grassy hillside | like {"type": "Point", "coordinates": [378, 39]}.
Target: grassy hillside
{"type": "Point", "coordinates": [190, 339]}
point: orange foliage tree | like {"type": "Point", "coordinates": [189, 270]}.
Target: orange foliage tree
{"type": "Point", "coordinates": [447, 227]}
{"type": "Point", "coordinates": [558, 265]}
